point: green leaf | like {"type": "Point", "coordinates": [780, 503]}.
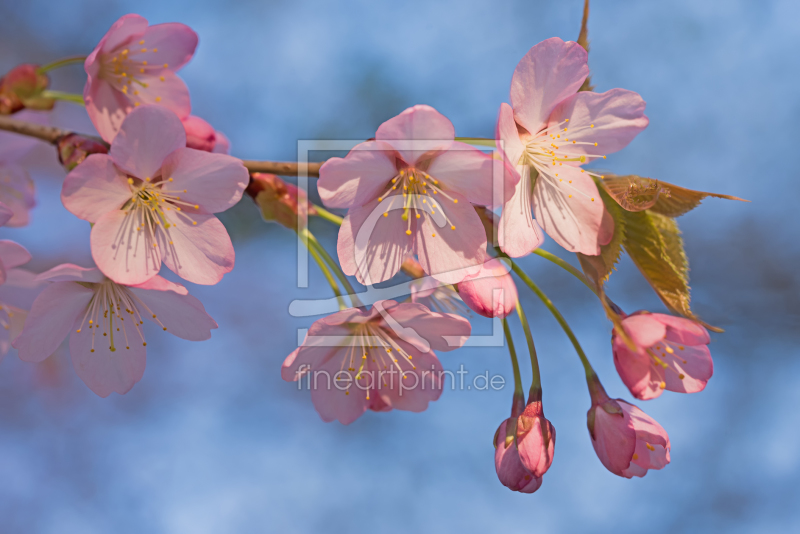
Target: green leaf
{"type": "Point", "coordinates": [636, 193]}
{"type": "Point", "coordinates": [654, 243]}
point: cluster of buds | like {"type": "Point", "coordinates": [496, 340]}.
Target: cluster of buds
{"type": "Point", "coordinates": [22, 88]}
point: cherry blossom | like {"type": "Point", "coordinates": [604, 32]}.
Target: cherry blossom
{"type": "Point", "coordinates": [135, 64]}
{"type": "Point", "coordinates": [548, 132]}
{"type": "Point", "coordinates": [17, 191]}
{"type": "Point", "coordinates": [671, 353]}
{"type": "Point", "coordinates": [409, 192]}
{"type": "Point", "coordinates": [12, 318]}
{"type": "Point", "coordinates": [151, 199]}
{"type": "Point", "coordinates": [378, 359]}
{"type": "Point", "coordinates": [104, 321]}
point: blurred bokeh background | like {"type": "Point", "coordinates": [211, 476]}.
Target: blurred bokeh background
{"type": "Point", "coordinates": [212, 440]}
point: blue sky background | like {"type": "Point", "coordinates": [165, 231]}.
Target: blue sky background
{"type": "Point", "coordinates": [213, 440]}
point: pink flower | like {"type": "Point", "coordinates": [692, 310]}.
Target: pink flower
{"type": "Point", "coordinates": [104, 322]}
{"type": "Point", "coordinates": [548, 132]}
{"type": "Point", "coordinates": [12, 319]}
{"type": "Point", "coordinates": [151, 199]}
{"type": "Point", "coordinates": [627, 440]}
{"type": "Point", "coordinates": [135, 64]}
{"type": "Point", "coordinates": [200, 135]}
{"type": "Point", "coordinates": [409, 192]}
{"type": "Point", "coordinates": [491, 291]}
{"type": "Point", "coordinates": [380, 359]}
{"type": "Point", "coordinates": [671, 353]}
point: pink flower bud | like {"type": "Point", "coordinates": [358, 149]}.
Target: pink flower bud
{"type": "Point", "coordinates": [670, 353]}
{"type": "Point", "coordinates": [277, 199]}
{"type": "Point", "coordinates": [74, 148]}
{"type": "Point", "coordinates": [200, 135]}
{"type": "Point", "coordinates": [22, 88]}
{"type": "Point", "coordinates": [536, 439]}
{"type": "Point", "coordinates": [510, 470]}
{"type": "Point", "coordinates": [491, 292]}
{"type": "Point", "coordinates": [627, 441]}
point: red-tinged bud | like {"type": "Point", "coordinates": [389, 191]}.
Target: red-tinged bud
{"type": "Point", "coordinates": [278, 200]}
{"type": "Point", "coordinates": [74, 148]}
{"type": "Point", "coordinates": [200, 135]}
{"type": "Point", "coordinates": [536, 437]}
{"type": "Point", "coordinates": [22, 88]}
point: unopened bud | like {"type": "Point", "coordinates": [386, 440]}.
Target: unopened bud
{"type": "Point", "coordinates": [278, 201]}
{"type": "Point", "coordinates": [22, 88]}
{"type": "Point", "coordinates": [74, 148]}
{"type": "Point", "coordinates": [200, 135]}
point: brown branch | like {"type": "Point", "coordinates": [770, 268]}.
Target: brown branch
{"type": "Point", "coordinates": [282, 168]}
{"type": "Point", "coordinates": [45, 133]}
{"type": "Point", "coordinates": [52, 135]}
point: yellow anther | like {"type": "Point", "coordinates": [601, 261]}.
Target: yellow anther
{"type": "Point", "coordinates": [663, 385]}
{"type": "Point", "coordinates": [583, 159]}
{"type": "Point", "coordinates": [408, 232]}
{"type": "Point", "coordinates": [141, 70]}
{"type": "Point", "coordinates": [130, 180]}
{"type": "Point", "coordinates": [595, 144]}
{"type": "Point", "coordinates": [650, 447]}
{"type": "Point", "coordinates": [194, 223]}
{"type": "Point", "coordinates": [135, 104]}
{"type": "Point", "coordinates": [78, 330]}
{"type": "Point", "coordinates": [566, 120]}
{"type": "Point", "coordinates": [418, 215]}
{"type": "Point", "coordinates": [455, 201]}
{"type": "Point", "coordinates": [591, 126]}
{"type": "Point", "coordinates": [158, 99]}
{"type": "Point", "coordinates": [144, 62]}
{"type": "Point", "coordinates": [166, 66]}
{"type": "Point", "coordinates": [433, 235]}
{"type": "Point", "coordinates": [144, 50]}
{"type": "Point", "coordinates": [161, 78]}
{"type": "Point", "coordinates": [125, 52]}
{"type": "Point", "coordinates": [681, 376]}
{"type": "Point", "coordinates": [125, 89]}
{"type": "Point", "coordinates": [146, 178]}
{"type": "Point", "coordinates": [635, 456]}
{"type": "Point", "coordinates": [124, 74]}
{"type": "Point", "coordinates": [681, 347]}
{"type": "Point", "coordinates": [141, 43]}
{"type": "Point", "coordinates": [155, 50]}
{"type": "Point", "coordinates": [386, 214]}
{"type": "Point", "coordinates": [452, 227]}
{"type": "Point", "coordinates": [570, 196]}
{"type": "Point", "coordinates": [90, 321]}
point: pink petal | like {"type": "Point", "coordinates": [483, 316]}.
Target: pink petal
{"type": "Point", "coordinates": [518, 234]}
{"type": "Point", "coordinates": [645, 426]}
{"type": "Point", "coordinates": [420, 130]}
{"type": "Point", "coordinates": [215, 182]}
{"type": "Point", "coordinates": [448, 254]}
{"type": "Point", "coordinates": [635, 370]}
{"type": "Point", "coordinates": [107, 107]}
{"type": "Point", "coordinates": [614, 440]}
{"type": "Point", "coordinates": [333, 403]}
{"type": "Point", "coordinates": [372, 247]}
{"type": "Point", "coordinates": [222, 144]}
{"type": "Point", "coordinates": [51, 318]}
{"type": "Point", "coordinates": [491, 292]}
{"type": "Point", "coordinates": [170, 93]}
{"type": "Point", "coordinates": [122, 253]}
{"type": "Point", "coordinates": [506, 132]}
{"type": "Point", "coordinates": [16, 323]}
{"type": "Point", "coordinates": [644, 329]}
{"type": "Point", "coordinates": [148, 135]}
{"type": "Point", "coordinates": [535, 453]}
{"type": "Point", "coordinates": [315, 351]}
{"type": "Point", "coordinates": [359, 177]}
{"type": "Point", "coordinates": [175, 43]}
{"type": "Point", "coordinates": [94, 188]}
{"type": "Point", "coordinates": [473, 175]}
{"type": "Point", "coordinates": [420, 323]}
{"type": "Point", "coordinates": [126, 28]}
{"type": "Point", "coordinates": [175, 310]}
{"type": "Point", "coordinates": [618, 116]}
{"type": "Point", "coordinates": [550, 72]}
{"type": "Point", "coordinates": [573, 222]}
{"type": "Point", "coordinates": [22, 278]}
{"type": "Point", "coordinates": [510, 471]}
{"type": "Point", "coordinates": [5, 214]}
{"type": "Point", "coordinates": [68, 272]}
{"type": "Point", "coordinates": [17, 195]}
{"type": "Point", "coordinates": [696, 371]}
{"type": "Point", "coordinates": [105, 371]}
{"type": "Point", "coordinates": [13, 254]}
{"type": "Point", "coordinates": [682, 330]}
{"type": "Point", "coordinates": [199, 253]}
{"type": "Point", "coordinates": [199, 134]}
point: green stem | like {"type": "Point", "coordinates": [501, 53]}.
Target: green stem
{"type": "Point", "coordinates": [514, 362]}
{"type": "Point", "coordinates": [61, 63]}
{"type": "Point", "coordinates": [567, 267]}
{"type": "Point", "coordinates": [536, 381]}
{"type": "Point", "coordinates": [560, 318]}
{"type": "Point", "coordinates": [482, 141]}
{"type": "Point", "coordinates": [325, 271]}
{"type": "Point", "coordinates": [336, 269]}
{"type": "Point", "coordinates": [67, 97]}
{"type": "Point", "coordinates": [322, 213]}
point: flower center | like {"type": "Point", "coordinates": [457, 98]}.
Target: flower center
{"type": "Point", "coordinates": [669, 350]}
{"type": "Point", "coordinates": [108, 309]}
{"type": "Point", "coordinates": [375, 357]}
{"type": "Point", "coordinates": [416, 189]}
{"type": "Point", "coordinates": [549, 149]}
{"type": "Point", "coordinates": [127, 69]}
